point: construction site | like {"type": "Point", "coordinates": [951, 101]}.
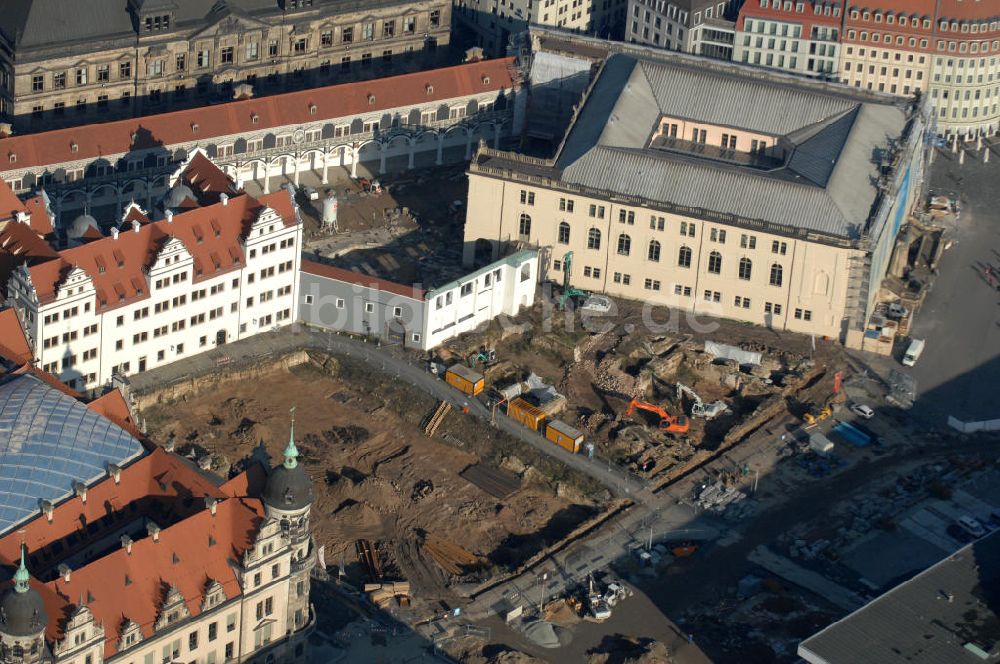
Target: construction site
{"type": "Point", "coordinates": [421, 505]}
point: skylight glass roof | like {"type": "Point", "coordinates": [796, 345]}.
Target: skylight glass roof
{"type": "Point", "coordinates": [48, 440]}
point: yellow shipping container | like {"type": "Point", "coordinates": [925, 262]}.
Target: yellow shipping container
{"type": "Point", "coordinates": [564, 436]}
{"type": "Point", "coordinates": [523, 412]}
{"type": "Point", "coordinates": [465, 379]}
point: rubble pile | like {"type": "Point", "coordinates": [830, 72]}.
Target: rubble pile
{"type": "Point", "coordinates": [716, 497]}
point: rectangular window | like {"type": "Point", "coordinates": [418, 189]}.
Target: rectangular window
{"type": "Point", "coordinates": [226, 55]}
{"type": "Point", "coordinates": [125, 70]}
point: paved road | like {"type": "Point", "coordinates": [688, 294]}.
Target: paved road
{"type": "Point", "coordinates": [959, 371]}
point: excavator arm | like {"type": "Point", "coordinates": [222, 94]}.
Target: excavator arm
{"type": "Point", "coordinates": [668, 422]}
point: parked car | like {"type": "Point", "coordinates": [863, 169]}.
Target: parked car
{"type": "Point", "coordinates": [311, 193]}
{"type": "Point", "coordinates": [971, 526]}
{"type": "Point", "coordinates": [862, 410]}
{"type": "Point", "coordinates": [897, 311]}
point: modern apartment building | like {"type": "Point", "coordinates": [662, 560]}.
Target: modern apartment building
{"type": "Point", "coordinates": [715, 189]}
{"type": "Point", "coordinates": [702, 27]}
{"type": "Point", "coordinates": [803, 40]}
{"type": "Point", "coordinates": [946, 50]}
{"type": "Point", "coordinates": [219, 266]}
{"type": "Point", "coordinates": [73, 64]}
{"type": "Point", "coordinates": [158, 562]}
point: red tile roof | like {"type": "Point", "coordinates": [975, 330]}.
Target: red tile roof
{"type": "Point", "coordinates": [13, 344]}
{"type": "Point", "coordinates": [207, 180]}
{"type": "Point", "coordinates": [194, 546]}
{"type": "Point", "coordinates": [132, 586]}
{"type": "Point", "coordinates": [112, 406]}
{"type": "Point", "coordinates": [116, 265]}
{"type": "Point", "coordinates": [348, 276]}
{"type": "Point", "coordinates": [20, 244]}
{"type": "Point", "coordinates": [237, 117]}
{"type": "Point", "coordinates": [10, 204]}
{"type": "Point", "coordinates": [40, 222]}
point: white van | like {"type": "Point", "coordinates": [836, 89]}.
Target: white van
{"type": "Point", "coordinates": [913, 352]}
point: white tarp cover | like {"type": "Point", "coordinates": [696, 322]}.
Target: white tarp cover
{"type": "Point", "coordinates": [732, 353]}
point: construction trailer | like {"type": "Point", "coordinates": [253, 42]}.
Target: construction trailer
{"type": "Point", "coordinates": [527, 415]}
{"type": "Point", "coordinates": [465, 379]}
{"type": "Point", "coordinates": [564, 436]}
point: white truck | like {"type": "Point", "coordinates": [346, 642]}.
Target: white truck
{"type": "Point", "coordinates": [913, 352]}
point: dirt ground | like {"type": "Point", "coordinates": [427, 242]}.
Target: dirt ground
{"type": "Point", "coordinates": [361, 441]}
{"type": "Point", "coordinates": [597, 370]}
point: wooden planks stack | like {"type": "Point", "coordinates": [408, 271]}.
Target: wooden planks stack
{"type": "Point", "coordinates": [451, 557]}
{"type": "Point", "coordinates": [432, 426]}
{"type": "Point", "coordinates": [384, 594]}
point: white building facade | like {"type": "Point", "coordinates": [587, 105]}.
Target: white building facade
{"type": "Point", "coordinates": [157, 292]}
{"type": "Point", "coordinates": [345, 301]}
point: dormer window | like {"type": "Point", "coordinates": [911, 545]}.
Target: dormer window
{"type": "Point", "coordinates": [371, 99]}
{"type": "Point", "coordinates": [157, 23]}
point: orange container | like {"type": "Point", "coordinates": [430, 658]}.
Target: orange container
{"type": "Point", "coordinates": [564, 436]}
{"type": "Point", "coordinates": [528, 415]}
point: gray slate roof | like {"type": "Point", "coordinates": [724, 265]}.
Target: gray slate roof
{"type": "Point", "coordinates": [827, 183]}
{"type": "Point", "coordinates": [929, 619]}
{"type": "Point", "coordinates": [30, 23]}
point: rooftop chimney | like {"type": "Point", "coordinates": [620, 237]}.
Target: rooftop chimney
{"type": "Point", "coordinates": [211, 504]}
{"type": "Point", "coordinates": [136, 225]}
{"type": "Point", "coordinates": [114, 233]}
{"type": "Point", "coordinates": [127, 544]}
{"type": "Point", "coordinates": [81, 490]}
{"type": "Point", "coordinates": [171, 445]}
{"type": "Point", "coordinates": [169, 216]}
{"type": "Point", "coordinates": [46, 507]}
{"type": "Point", "coordinates": [153, 530]}
{"type": "Point", "coordinates": [64, 571]}
{"type": "Point", "coordinates": [224, 199]}
{"type": "Point", "coordinates": [115, 472]}
{"type": "Point", "coordinates": [205, 462]}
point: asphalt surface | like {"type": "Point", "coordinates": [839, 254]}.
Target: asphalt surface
{"type": "Point", "coordinates": [959, 371]}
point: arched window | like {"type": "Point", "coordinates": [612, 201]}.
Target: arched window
{"type": "Point", "coordinates": [593, 239]}
{"type": "Point", "coordinates": [526, 272]}
{"type": "Point", "coordinates": [654, 251]}
{"type": "Point", "coordinates": [624, 245]}
{"type": "Point", "coordinates": [715, 262]}
{"type": "Point", "coordinates": [684, 256]}
{"type": "Point", "coordinates": [524, 227]}
{"type": "Point", "coordinates": [563, 233]}
{"type": "Point", "coordinates": [17, 651]}
{"type": "Point", "coordinates": [746, 268]}
{"type": "Point", "coordinates": [776, 274]}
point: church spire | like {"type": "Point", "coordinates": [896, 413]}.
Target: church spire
{"type": "Point", "coordinates": [291, 452]}
{"type": "Point", "coordinates": [21, 576]}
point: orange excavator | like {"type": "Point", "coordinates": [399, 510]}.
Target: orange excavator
{"type": "Point", "coordinates": [668, 422]}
